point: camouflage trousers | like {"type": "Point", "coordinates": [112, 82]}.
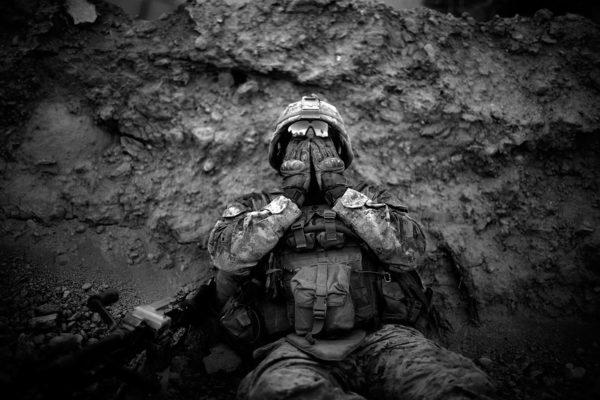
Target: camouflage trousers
{"type": "Point", "coordinates": [396, 362]}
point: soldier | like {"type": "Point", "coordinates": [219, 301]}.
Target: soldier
{"type": "Point", "coordinates": [322, 276]}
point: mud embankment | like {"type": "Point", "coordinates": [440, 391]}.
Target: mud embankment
{"type": "Point", "coordinates": [123, 140]}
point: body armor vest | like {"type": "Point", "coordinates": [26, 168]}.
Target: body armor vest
{"type": "Point", "coordinates": [321, 281]}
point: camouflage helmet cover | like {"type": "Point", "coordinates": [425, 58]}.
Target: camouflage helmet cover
{"type": "Point", "coordinates": [310, 108]}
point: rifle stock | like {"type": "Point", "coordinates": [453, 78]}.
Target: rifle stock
{"type": "Point", "coordinates": [155, 327]}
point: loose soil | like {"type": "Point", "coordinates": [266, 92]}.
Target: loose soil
{"type": "Point", "coordinates": [123, 140]}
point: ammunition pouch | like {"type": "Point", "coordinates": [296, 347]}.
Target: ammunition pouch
{"type": "Point", "coordinates": [405, 301]}
{"type": "Point", "coordinates": [327, 292]}
{"type": "Point", "coordinates": [241, 322]}
{"type": "Point", "coordinates": [250, 319]}
{"type": "Point", "coordinates": [321, 293]}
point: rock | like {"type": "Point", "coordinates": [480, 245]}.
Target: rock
{"type": "Point", "coordinates": [81, 11]}
{"type": "Point", "coordinates": [133, 147]}
{"type": "Point", "coordinates": [547, 39]}
{"type": "Point", "coordinates": [203, 134]}
{"type": "Point", "coordinates": [80, 228]}
{"type": "Point", "coordinates": [74, 316]}
{"type": "Point", "coordinates": [216, 116]}
{"type": "Point", "coordinates": [167, 262]}
{"type": "Point", "coordinates": [144, 28]}
{"type": "Point", "coordinates": [430, 50]}
{"type": "Point", "coordinates": [122, 170]}
{"type": "Point", "coordinates": [485, 361]}
{"type": "Point", "coordinates": [86, 286]}
{"type": "Point", "coordinates": [175, 135]}
{"type": "Point", "coordinates": [162, 62]}
{"type": "Point", "coordinates": [542, 15]}
{"type": "Point", "coordinates": [247, 88]}
{"type": "Point", "coordinates": [44, 321]}
{"type": "Point", "coordinates": [208, 165]}
{"type": "Point", "coordinates": [100, 229]}
{"type": "Point", "coordinates": [573, 372]}
{"type": "Point", "coordinates": [65, 341]}
{"type": "Point", "coordinates": [221, 358]}
{"type": "Point", "coordinates": [432, 130]}
{"type": "Point", "coordinates": [47, 308]}
{"type": "Point", "coordinates": [585, 228]}
{"type": "Point", "coordinates": [201, 43]}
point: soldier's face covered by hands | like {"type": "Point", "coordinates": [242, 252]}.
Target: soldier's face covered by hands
{"type": "Point", "coordinates": [295, 170]}
{"type": "Point", "coordinates": [311, 158]}
{"type": "Point", "coordinates": [324, 159]}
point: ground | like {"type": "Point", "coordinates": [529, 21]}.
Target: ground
{"type": "Point", "coordinates": [123, 140]}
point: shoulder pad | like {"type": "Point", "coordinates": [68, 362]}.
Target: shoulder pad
{"type": "Point", "coordinates": [353, 199]}
{"type": "Point", "coordinates": [234, 210]}
{"type": "Point", "coordinates": [277, 205]}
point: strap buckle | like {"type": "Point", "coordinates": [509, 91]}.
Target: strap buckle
{"type": "Point", "coordinates": [330, 232]}
{"type": "Point", "coordinates": [387, 277]}
{"type": "Point", "coordinates": [320, 307]}
{"type": "Point", "coordinates": [298, 229]}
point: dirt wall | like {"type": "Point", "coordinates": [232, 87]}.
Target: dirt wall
{"type": "Point", "coordinates": [131, 136]}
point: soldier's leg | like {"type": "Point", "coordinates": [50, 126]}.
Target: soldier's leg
{"type": "Point", "coordinates": [399, 362]}
{"type": "Point", "coordinates": [287, 374]}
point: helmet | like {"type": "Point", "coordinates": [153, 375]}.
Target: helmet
{"type": "Point", "coordinates": [310, 108]}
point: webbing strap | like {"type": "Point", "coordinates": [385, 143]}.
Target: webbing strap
{"type": "Point", "coordinates": [330, 232]}
{"type": "Point", "coordinates": [385, 275]}
{"type": "Point", "coordinates": [414, 310]}
{"type": "Point", "coordinates": [298, 229]}
{"type": "Point", "coordinates": [320, 305]}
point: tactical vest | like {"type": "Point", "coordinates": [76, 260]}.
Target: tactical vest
{"type": "Point", "coordinates": [322, 281]}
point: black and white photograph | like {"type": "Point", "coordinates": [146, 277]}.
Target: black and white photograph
{"type": "Point", "coordinates": [300, 199]}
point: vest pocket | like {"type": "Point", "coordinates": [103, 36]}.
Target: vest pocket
{"type": "Point", "coordinates": [241, 322]}
{"type": "Point", "coordinates": [322, 301]}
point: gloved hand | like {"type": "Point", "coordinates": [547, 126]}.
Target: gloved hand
{"type": "Point", "coordinates": [329, 169]}
{"type": "Point", "coordinates": [295, 170]}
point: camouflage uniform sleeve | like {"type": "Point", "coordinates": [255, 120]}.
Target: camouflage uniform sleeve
{"type": "Point", "coordinates": [243, 236]}
{"type": "Point", "coordinates": [384, 225]}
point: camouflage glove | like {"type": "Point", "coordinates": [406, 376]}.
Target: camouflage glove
{"type": "Point", "coordinates": [295, 170]}
{"type": "Point", "coordinates": [329, 169]}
